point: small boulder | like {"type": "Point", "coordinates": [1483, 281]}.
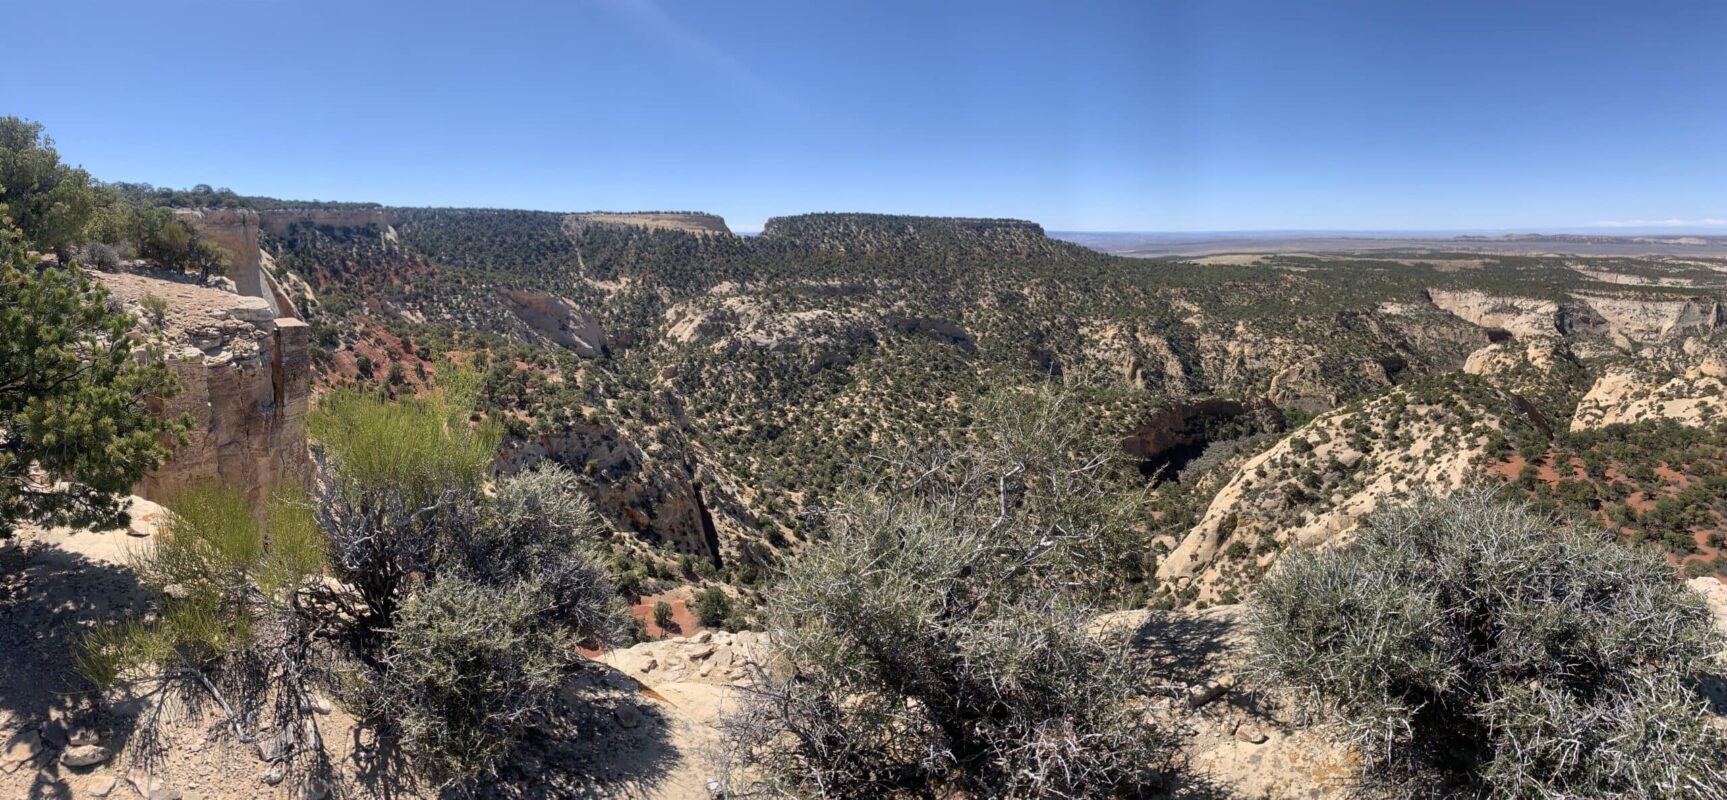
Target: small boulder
{"type": "Point", "coordinates": [276, 747]}
{"type": "Point", "coordinates": [99, 785]}
{"type": "Point", "coordinates": [1209, 691]}
{"type": "Point", "coordinates": [144, 518]}
{"type": "Point", "coordinates": [317, 703]}
{"type": "Point", "coordinates": [1251, 734]}
{"type": "Point", "coordinates": [152, 788]}
{"type": "Point", "coordinates": [88, 755]}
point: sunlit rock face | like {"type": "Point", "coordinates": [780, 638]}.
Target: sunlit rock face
{"type": "Point", "coordinates": [244, 380]}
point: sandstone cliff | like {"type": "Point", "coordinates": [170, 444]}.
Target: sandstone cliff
{"type": "Point", "coordinates": [235, 230]}
{"type": "Point", "coordinates": [1687, 385]}
{"type": "Point", "coordinates": [278, 220]}
{"type": "Point", "coordinates": [1629, 318]}
{"type": "Point", "coordinates": [1518, 316]}
{"type": "Point", "coordinates": [707, 224]}
{"type": "Point", "coordinates": [244, 379]}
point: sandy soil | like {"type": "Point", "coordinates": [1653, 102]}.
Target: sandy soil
{"type": "Point", "coordinates": [608, 739]}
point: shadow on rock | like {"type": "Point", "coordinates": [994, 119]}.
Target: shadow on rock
{"type": "Point", "coordinates": [603, 740]}
{"type": "Point", "coordinates": [50, 597]}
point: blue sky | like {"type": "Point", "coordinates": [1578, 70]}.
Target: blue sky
{"type": "Point", "coordinates": [1152, 116]}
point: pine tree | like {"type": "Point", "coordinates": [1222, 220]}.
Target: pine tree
{"type": "Point", "coordinates": [75, 430]}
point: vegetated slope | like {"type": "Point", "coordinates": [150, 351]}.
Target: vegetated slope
{"type": "Point", "coordinates": [710, 386]}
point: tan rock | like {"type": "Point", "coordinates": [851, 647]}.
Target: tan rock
{"type": "Point", "coordinates": [85, 755]}
{"type": "Point", "coordinates": [245, 381]}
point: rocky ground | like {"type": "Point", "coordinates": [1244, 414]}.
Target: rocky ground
{"type": "Point", "coordinates": [622, 732]}
{"type": "Point", "coordinates": [641, 724]}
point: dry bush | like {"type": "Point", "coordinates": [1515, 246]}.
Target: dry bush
{"type": "Point", "coordinates": [443, 608]}
{"type": "Point", "coordinates": [935, 642]}
{"type": "Point", "coordinates": [1470, 647]}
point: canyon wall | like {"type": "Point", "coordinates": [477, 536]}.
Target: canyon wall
{"type": "Point", "coordinates": [235, 230]}
{"type": "Point", "coordinates": [244, 380]}
{"type": "Point", "coordinates": [241, 361]}
{"type": "Point", "coordinates": [278, 220]}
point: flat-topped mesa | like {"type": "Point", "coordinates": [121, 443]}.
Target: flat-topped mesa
{"type": "Point", "coordinates": [687, 221]}
{"type": "Point", "coordinates": [870, 234]}
{"type": "Point", "coordinates": [828, 221]}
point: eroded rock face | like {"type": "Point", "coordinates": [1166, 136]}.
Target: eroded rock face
{"type": "Point", "coordinates": [244, 377]}
{"type": "Point", "coordinates": [1644, 319]}
{"type": "Point", "coordinates": [1634, 394]}
{"type": "Point", "coordinates": [1520, 316]}
{"type": "Point", "coordinates": [236, 231]}
{"type": "Point", "coordinates": [1313, 487]}
{"type": "Point", "coordinates": [557, 320]}
{"type": "Point", "coordinates": [631, 487]}
{"type": "Point", "coordinates": [278, 220]}
{"type": "Point", "coordinates": [1319, 383]}
{"type": "Point", "coordinates": [1628, 319]}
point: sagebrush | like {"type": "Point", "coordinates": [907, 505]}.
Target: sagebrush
{"type": "Point", "coordinates": [1468, 646]}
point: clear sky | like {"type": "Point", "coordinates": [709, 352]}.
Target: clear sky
{"type": "Point", "coordinates": [1138, 115]}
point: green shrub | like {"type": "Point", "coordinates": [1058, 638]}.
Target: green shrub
{"type": "Point", "coordinates": [421, 445]}
{"type": "Point", "coordinates": [1468, 645]}
{"type": "Point", "coordinates": [220, 575]}
{"type": "Point", "coordinates": [663, 615]}
{"type": "Point", "coordinates": [466, 662]}
{"type": "Point", "coordinates": [155, 308]}
{"type": "Point", "coordinates": [932, 642]}
{"type": "Point", "coordinates": [713, 607]}
{"type": "Point", "coordinates": [443, 608]}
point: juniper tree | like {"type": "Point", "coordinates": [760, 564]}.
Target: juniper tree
{"type": "Point", "coordinates": [76, 429]}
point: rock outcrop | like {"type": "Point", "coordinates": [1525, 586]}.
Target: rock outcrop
{"type": "Point", "coordinates": [1629, 319]}
{"type": "Point", "coordinates": [556, 321]}
{"type": "Point", "coordinates": [244, 379]}
{"type": "Point", "coordinates": [1650, 319]}
{"type": "Point", "coordinates": [1629, 394]}
{"type": "Point", "coordinates": [689, 222]}
{"type": "Point", "coordinates": [630, 487]}
{"type": "Point", "coordinates": [1518, 316]}
{"type": "Point", "coordinates": [235, 230]}
{"type": "Point", "coordinates": [1314, 485]}
{"type": "Point", "coordinates": [278, 220]}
